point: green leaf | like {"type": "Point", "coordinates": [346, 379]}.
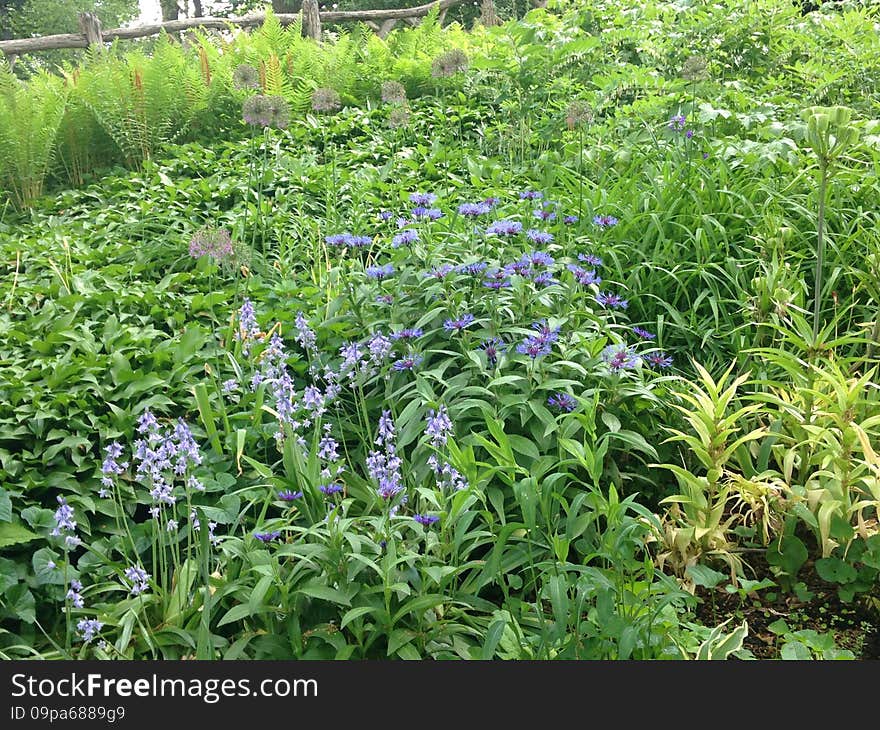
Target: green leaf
{"type": "Point", "coordinates": [5, 506]}
{"type": "Point", "coordinates": [835, 570]}
{"type": "Point", "coordinates": [704, 576]}
{"type": "Point", "coordinates": [14, 533]}
{"type": "Point", "coordinates": [795, 651]}
{"type": "Point", "coordinates": [325, 593]}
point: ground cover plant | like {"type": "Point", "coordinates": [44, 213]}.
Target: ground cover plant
{"type": "Point", "coordinates": [550, 340]}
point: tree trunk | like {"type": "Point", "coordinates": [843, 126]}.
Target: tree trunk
{"type": "Point", "coordinates": [311, 20]}
{"type": "Point", "coordinates": [198, 11]}
{"type": "Point", "coordinates": [286, 6]}
{"type": "Point", "coordinates": [169, 9]}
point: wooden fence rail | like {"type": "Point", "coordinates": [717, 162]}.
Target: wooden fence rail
{"type": "Point", "coordinates": [382, 21]}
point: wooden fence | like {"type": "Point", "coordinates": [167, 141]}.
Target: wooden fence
{"type": "Point", "coordinates": [382, 21]}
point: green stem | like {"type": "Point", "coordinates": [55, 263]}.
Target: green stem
{"type": "Point", "coordinates": [820, 249]}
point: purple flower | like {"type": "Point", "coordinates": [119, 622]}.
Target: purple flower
{"type": "Point", "coordinates": [570, 220]}
{"type": "Point", "coordinates": [496, 279]}
{"type": "Point", "coordinates": [138, 578]}
{"type": "Point", "coordinates": [609, 300]}
{"type": "Point", "coordinates": [504, 228]}
{"type": "Point", "coordinates": [677, 122]}
{"type": "Point", "coordinates": [605, 221]}
{"type": "Point", "coordinates": [544, 278]}
{"type": "Point", "coordinates": [385, 215]}
{"type": "Point", "coordinates": [473, 210]}
{"type": "Point", "coordinates": [531, 195]}
{"type": "Point", "coordinates": [546, 333]}
{"type": "Point", "coordinates": [330, 489]}
{"type": "Point", "coordinates": [64, 522]}
{"type": "Point", "coordinates": [473, 269]}
{"type": "Point", "coordinates": [689, 133]}
{"type": "Point", "coordinates": [287, 495]}
{"type": "Point", "coordinates": [422, 198]}
{"type": "Point", "coordinates": [438, 426]}
{"type": "Point", "coordinates": [562, 402]}
{"type": "Point", "coordinates": [328, 449]}
{"type": "Point", "coordinates": [213, 242]}
{"type": "Point", "coordinates": [379, 272]}
{"type": "Point", "coordinates": [405, 238]}
{"type": "Point", "coordinates": [88, 628]}
{"type": "Point", "coordinates": [584, 277]}
{"type": "Point", "coordinates": [431, 214]}
{"type": "Point", "coordinates": [338, 239]}
{"type": "Point", "coordinates": [644, 334]}
{"type": "Point", "coordinates": [379, 346]}
{"type": "Point", "coordinates": [493, 347]}
{"type": "Point", "coordinates": [409, 362]}
{"type": "Point", "coordinates": [537, 258]}
{"type": "Point", "coordinates": [73, 594]}
{"type": "Point", "coordinates": [620, 357]}
{"type": "Point", "coordinates": [384, 299]}
{"type": "Point", "coordinates": [230, 385]}
{"type": "Point", "coordinates": [305, 335]}
{"type": "Point", "coordinates": [248, 330]}
{"type": "Point", "coordinates": [267, 536]}
{"type": "Point", "coordinates": [533, 347]}
{"type": "Point", "coordinates": [460, 324]}
{"type": "Point", "coordinates": [407, 334]}
{"type": "Point", "coordinates": [492, 202]}
{"type": "Point", "coordinates": [539, 237]}
{"type": "Point", "coordinates": [111, 467]}
{"type": "Point", "coordinates": [440, 272]}
{"type": "Point", "coordinates": [658, 359]}
{"type": "Point", "coordinates": [545, 214]}
{"type": "Point", "coordinates": [426, 520]}
{"type": "Point", "coordinates": [590, 259]}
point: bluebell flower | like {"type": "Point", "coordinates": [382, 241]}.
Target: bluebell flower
{"type": "Point", "coordinates": [88, 628]}
{"type": "Point", "coordinates": [139, 579]}
{"type": "Point", "coordinates": [677, 122]}
{"type": "Point", "coordinates": [74, 595]}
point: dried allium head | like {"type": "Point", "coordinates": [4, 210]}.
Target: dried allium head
{"type": "Point", "coordinates": [399, 117]}
{"type": "Point", "coordinates": [325, 99]}
{"type": "Point", "coordinates": [393, 92]}
{"type": "Point", "coordinates": [450, 63]}
{"type": "Point", "coordinates": [266, 111]}
{"type": "Point", "coordinates": [694, 69]}
{"type": "Point", "coordinates": [246, 77]}
{"type": "Point", "coordinates": [577, 113]}
{"type": "Point", "coordinates": [213, 242]}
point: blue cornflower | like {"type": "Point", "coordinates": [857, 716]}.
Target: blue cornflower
{"type": "Point", "coordinates": [538, 258]}
{"type": "Point", "coordinates": [620, 357]}
{"type": "Point", "coordinates": [493, 347]}
{"type": "Point", "coordinates": [422, 198]}
{"type": "Point", "coordinates": [426, 520]}
{"type": "Point", "coordinates": [405, 238]}
{"type": "Point", "coordinates": [385, 215]}
{"type": "Point", "coordinates": [590, 259]}
{"type": "Point", "coordinates": [531, 195]}
{"type": "Point", "coordinates": [584, 277]}
{"type": "Point", "coordinates": [330, 489]}
{"type": "Point", "coordinates": [658, 359]}
{"type": "Point", "coordinates": [431, 214]}
{"type": "Point", "coordinates": [546, 333]}
{"type": "Point", "coordinates": [644, 334]}
{"type": "Point", "coordinates": [379, 272]}
{"type": "Point", "coordinates": [496, 279]}
{"type": "Point", "coordinates": [570, 220]}
{"type": "Point", "coordinates": [504, 227]}
{"type": "Point", "coordinates": [534, 347]}
{"type": "Point", "coordinates": [605, 221]}
{"type": "Point", "coordinates": [609, 300]}
{"type": "Point", "coordinates": [440, 272]}
{"type": "Point", "coordinates": [457, 325]}
{"type": "Point", "coordinates": [562, 402]}
{"type": "Point", "coordinates": [477, 267]}
{"type": "Point", "coordinates": [537, 236]}
{"type": "Point", "coordinates": [409, 362]}
{"type": "Point", "coordinates": [267, 536]}
{"type": "Point", "coordinates": [544, 278]}
{"type": "Point", "coordinates": [338, 239]}
{"type": "Point", "coordinates": [287, 495]}
{"type": "Point", "coordinates": [474, 209]}
{"type": "Point", "coordinates": [359, 241]}
{"type": "Point", "coordinates": [407, 334]}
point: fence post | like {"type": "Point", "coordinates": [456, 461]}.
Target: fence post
{"type": "Point", "coordinates": [311, 20]}
{"type": "Point", "coordinates": [91, 28]}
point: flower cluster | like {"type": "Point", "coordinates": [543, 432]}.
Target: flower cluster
{"type": "Point", "coordinates": [266, 111]}
{"type": "Point", "coordinates": [384, 466]}
{"type": "Point", "coordinates": [213, 242]}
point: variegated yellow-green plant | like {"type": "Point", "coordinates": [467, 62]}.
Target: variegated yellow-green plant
{"type": "Point", "coordinates": [702, 514]}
